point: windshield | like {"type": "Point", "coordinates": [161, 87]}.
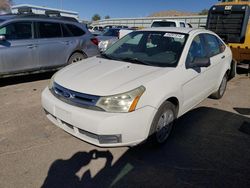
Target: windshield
{"type": "Point", "coordinates": [152, 48]}
{"type": "Point", "coordinates": [163, 24]}
{"type": "Point", "coordinates": [111, 32]}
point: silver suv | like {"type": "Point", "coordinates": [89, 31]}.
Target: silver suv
{"type": "Point", "coordinates": [32, 43]}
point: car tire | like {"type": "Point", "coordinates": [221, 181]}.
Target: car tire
{"type": "Point", "coordinates": [220, 92]}
{"type": "Point", "coordinates": [75, 57]}
{"type": "Point", "coordinates": [163, 124]}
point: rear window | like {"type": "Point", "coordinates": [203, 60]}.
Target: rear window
{"type": "Point", "coordinates": [49, 30]}
{"type": "Point", "coordinates": [76, 31]}
{"type": "Point", "coordinates": [163, 24]}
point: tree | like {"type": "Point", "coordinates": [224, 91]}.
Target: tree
{"type": "Point", "coordinates": [107, 17]}
{"type": "Point", "coordinates": [204, 12]}
{"type": "Point", "coordinates": [96, 17]}
{"type": "Point", "coordinates": [5, 5]}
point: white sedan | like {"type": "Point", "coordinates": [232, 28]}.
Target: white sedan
{"type": "Point", "coordinates": [139, 86]}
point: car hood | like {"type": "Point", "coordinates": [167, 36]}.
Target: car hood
{"type": "Point", "coordinates": [102, 77]}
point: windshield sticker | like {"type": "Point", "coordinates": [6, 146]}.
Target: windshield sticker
{"type": "Point", "coordinates": [173, 35]}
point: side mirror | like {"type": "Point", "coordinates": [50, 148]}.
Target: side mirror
{"type": "Point", "coordinates": [2, 38]}
{"type": "Point", "coordinates": [199, 62]}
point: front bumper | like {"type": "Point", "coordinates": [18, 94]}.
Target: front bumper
{"type": "Point", "coordinates": [99, 128]}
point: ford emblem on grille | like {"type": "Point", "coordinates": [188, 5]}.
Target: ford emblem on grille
{"type": "Point", "coordinates": [66, 94]}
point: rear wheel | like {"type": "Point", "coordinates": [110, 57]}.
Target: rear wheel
{"type": "Point", "coordinates": [163, 123]}
{"type": "Point", "coordinates": [219, 94]}
{"type": "Point", "coordinates": [76, 57]}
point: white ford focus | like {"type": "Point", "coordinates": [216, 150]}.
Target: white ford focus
{"type": "Point", "coordinates": [139, 86]}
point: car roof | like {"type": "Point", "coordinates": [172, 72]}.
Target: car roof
{"type": "Point", "coordinates": [36, 16]}
{"type": "Point", "coordinates": [168, 20]}
{"type": "Point", "coordinates": [183, 30]}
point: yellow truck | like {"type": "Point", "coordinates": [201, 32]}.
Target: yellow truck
{"type": "Point", "coordinates": [230, 20]}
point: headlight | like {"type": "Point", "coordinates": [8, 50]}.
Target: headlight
{"type": "Point", "coordinates": [51, 82]}
{"type": "Point", "coordinates": [125, 102]}
{"type": "Point", "coordinates": [103, 45]}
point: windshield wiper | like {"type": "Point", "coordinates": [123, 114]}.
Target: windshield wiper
{"type": "Point", "coordinates": [135, 60]}
{"type": "Point", "coordinates": [103, 55]}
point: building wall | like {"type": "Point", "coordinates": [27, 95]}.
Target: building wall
{"type": "Point", "coordinates": [196, 21]}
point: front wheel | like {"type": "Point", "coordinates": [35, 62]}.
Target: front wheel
{"type": "Point", "coordinates": [220, 92]}
{"type": "Point", "coordinates": [163, 123]}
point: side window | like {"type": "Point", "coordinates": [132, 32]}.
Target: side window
{"type": "Point", "coordinates": [135, 39]}
{"type": "Point", "coordinates": [154, 40]}
{"type": "Point", "coordinates": [213, 47]}
{"type": "Point", "coordinates": [221, 45]}
{"type": "Point", "coordinates": [182, 24]}
{"type": "Point", "coordinates": [196, 50]}
{"type": "Point", "coordinates": [76, 31]}
{"type": "Point", "coordinates": [49, 30]}
{"type": "Point", "coordinates": [17, 31]}
{"type": "Point", "coordinates": [66, 32]}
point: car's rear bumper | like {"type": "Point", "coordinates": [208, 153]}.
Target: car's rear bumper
{"type": "Point", "coordinates": [99, 128]}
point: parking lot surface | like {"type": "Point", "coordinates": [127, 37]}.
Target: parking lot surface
{"type": "Point", "coordinates": [210, 146]}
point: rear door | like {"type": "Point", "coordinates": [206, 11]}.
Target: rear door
{"type": "Point", "coordinates": [52, 47]}
{"type": "Point", "coordinates": [218, 59]}
{"type": "Point", "coordinates": [18, 53]}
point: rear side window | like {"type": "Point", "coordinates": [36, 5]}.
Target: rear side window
{"type": "Point", "coordinates": [182, 24]}
{"type": "Point", "coordinates": [213, 46]}
{"type": "Point", "coordinates": [163, 24]}
{"type": "Point", "coordinates": [49, 30]}
{"type": "Point", "coordinates": [17, 31]}
{"type": "Point", "coordinates": [76, 31]}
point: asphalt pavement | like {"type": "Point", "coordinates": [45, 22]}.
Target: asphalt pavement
{"type": "Point", "coordinates": [209, 147]}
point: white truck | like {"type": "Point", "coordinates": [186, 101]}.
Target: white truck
{"type": "Point", "coordinates": [170, 23]}
{"type": "Point", "coordinates": [159, 23]}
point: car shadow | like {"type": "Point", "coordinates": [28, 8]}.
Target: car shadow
{"type": "Point", "coordinates": [243, 69]}
{"type": "Point", "coordinates": [243, 111]}
{"type": "Point", "coordinates": [206, 149]}
{"type": "Point", "coordinates": [24, 79]}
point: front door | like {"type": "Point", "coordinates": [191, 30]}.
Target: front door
{"type": "Point", "coordinates": [18, 50]}
{"type": "Point", "coordinates": [195, 83]}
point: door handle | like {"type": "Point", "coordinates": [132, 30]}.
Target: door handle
{"type": "Point", "coordinates": [66, 42]}
{"type": "Point", "coordinates": [223, 57]}
{"type": "Point", "coordinates": [31, 46]}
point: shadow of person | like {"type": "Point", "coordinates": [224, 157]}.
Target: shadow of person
{"type": "Point", "coordinates": [62, 173]}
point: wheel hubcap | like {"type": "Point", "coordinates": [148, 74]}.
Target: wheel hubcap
{"type": "Point", "coordinates": [164, 126]}
{"type": "Point", "coordinates": [76, 59]}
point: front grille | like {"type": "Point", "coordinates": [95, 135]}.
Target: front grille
{"type": "Point", "coordinates": [229, 22]}
{"type": "Point", "coordinates": [75, 98]}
